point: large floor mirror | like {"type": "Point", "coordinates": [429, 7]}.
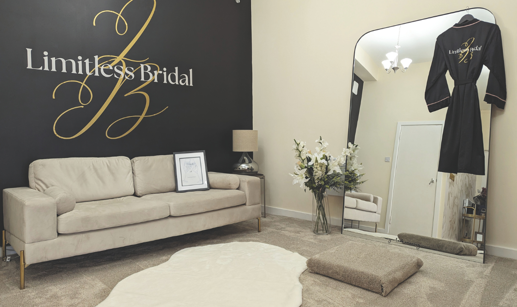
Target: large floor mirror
{"type": "Point", "coordinates": [400, 141]}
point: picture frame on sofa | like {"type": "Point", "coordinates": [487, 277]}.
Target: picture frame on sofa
{"type": "Point", "coordinates": [190, 170]}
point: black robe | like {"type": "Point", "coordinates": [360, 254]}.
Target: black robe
{"type": "Point", "coordinates": [463, 50]}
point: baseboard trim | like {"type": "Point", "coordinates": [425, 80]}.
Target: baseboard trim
{"type": "Point", "coordinates": [364, 227]}
{"type": "Point", "coordinates": [500, 251]}
{"type": "Point", "coordinates": [292, 213]}
{"type": "Point", "coordinates": [308, 217]}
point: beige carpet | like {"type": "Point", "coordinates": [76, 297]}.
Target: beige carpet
{"type": "Point", "coordinates": [233, 274]}
{"type": "Point", "coordinates": [88, 280]}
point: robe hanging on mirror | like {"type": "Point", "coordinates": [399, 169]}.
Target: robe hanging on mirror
{"type": "Point", "coordinates": [463, 50]}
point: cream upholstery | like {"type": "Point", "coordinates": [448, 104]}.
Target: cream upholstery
{"type": "Point", "coordinates": [109, 213]}
{"type": "Point", "coordinates": [69, 245]}
{"type": "Point", "coordinates": [366, 206]}
{"type": "Point", "coordinates": [87, 178]}
{"type": "Point", "coordinates": [362, 216]}
{"type": "Point", "coordinates": [65, 201]}
{"type": "Point", "coordinates": [359, 208]}
{"type": "Point", "coordinates": [153, 174]}
{"type": "Point", "coordinates": [30, 215]}
{"type": "Point", "coordinates": [350, 202]}
{"type": "Point", "coordinates": [199, 201]}
{"type": "Point", "coordinates": [223, 181]}
{"type": "Point", "coordinates": [251, 186]}
{"type": "Point", "coordinates": [362, 196]}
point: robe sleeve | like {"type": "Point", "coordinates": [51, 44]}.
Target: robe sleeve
{"type": "Point", "coordinates": [437, 93]}
{"type": "Point", "coordinates": [496, 87]}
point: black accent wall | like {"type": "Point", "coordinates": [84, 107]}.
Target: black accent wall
{"type": "Point", "coordinates": [209, 41]}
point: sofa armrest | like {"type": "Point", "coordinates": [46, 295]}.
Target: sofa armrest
{"type": "Point", "coordinates": [378, 201]}
{"type": "Point", "coordinates": [29, 215]}
{"type": "Point", "coordinates": [251, 186]}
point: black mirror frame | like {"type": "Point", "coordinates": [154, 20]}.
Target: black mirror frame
{"type": "Point", "coordinates": [350, 113]}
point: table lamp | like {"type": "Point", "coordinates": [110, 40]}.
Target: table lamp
{"type": "Point", "coordinates": [245, 141]}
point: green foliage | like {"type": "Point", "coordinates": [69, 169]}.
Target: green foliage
{"type": "Point", "coordinates": [327, 182]}
{"type": "Point", "coordinates": [352, 180]}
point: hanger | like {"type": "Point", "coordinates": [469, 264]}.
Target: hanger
{"type": "Point", "coordinates": [466, 17]}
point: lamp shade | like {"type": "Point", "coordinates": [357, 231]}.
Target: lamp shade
{"type": "Point", "coordinates": [386, 64]}
{"type": "Point", "coordinates": [391, 56]}
{"type": "Point", "coordinates": [406, 62]}
{"type": "Point", "coordinates": [245, 140]}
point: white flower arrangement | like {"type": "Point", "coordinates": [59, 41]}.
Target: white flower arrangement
{"type": "Point", "coordinates": [321, 171]}
{"type": "Point", "coordinates": [352, 174]}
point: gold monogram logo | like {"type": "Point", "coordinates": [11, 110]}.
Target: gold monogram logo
{"type": "Point", "coordinates": [111, 61]}
{"type": "Point", "coordinates": [466, 54]}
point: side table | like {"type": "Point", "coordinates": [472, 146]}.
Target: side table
{"type": "Point", "coordinates": [262, 178]}
{"type": "Point", "coordinates": [468, 228]}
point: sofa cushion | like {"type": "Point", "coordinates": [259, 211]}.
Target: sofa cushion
{"type": "Point", "coordinates": [350, 202]}
{"type": "Point", "coordinates": [363, 196]}
{"type": "Point", "coordinates": [87, 179]}
{"type": "Point", "coordinates": [65, 201]}
{"type": "Point", "coordinates": [199, 201]}
{"type": "Point", "coordinates": [366, 206]}
{"type": "Point", "coordinates": [359, 215]}
{"type": "Point", "coordinates": [153, 174]}
{"type": "Point", "coordinates": [109, 213]}
{"type": "Point", "coordinates": [223, 181]}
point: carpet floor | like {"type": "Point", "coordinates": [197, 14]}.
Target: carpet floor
{"type": "Point", "coordinates": [87, 280]}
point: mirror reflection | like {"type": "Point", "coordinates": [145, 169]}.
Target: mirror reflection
{"type": "Point", "coordinates": [400, 141]}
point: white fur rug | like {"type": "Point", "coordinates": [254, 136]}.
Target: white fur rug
{"type": "Point", "coordinates": [234, 274]}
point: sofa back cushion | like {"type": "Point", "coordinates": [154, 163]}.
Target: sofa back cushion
{"type": "Point", "coordinates": [153, 174]}
{"type": "Point", "coordinates": [87, 179]}
{"type": "Point", "coordinates": [223, 181]}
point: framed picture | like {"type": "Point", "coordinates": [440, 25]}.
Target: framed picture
{"type": "Point", "coordinates": [191, 171]}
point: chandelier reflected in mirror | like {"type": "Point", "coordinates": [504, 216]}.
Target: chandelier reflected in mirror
{"type": "Point", "coordinates": [392, 63]}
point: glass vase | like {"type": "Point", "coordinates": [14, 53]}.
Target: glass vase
{"type": "Point", "coordinates": [320, 214]}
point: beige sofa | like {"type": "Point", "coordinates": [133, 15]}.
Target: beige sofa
{"type": "Point", "coordinates": [76, 206]}
{"type": "Point", "coordinates": [362, 207]}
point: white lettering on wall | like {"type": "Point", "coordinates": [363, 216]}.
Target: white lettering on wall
{"type": "Point", "coordinates": [29, 60]}
{"type": "Point", "coordinates": [92, 68]}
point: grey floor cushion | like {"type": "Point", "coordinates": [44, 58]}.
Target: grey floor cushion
{"type": "Point", "coordinates": [446, 246]}
{"type": "Point", "coordinates": [367, 266]}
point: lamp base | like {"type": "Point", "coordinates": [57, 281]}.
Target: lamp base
{"type": "Point", "coordinates": [246, 165]}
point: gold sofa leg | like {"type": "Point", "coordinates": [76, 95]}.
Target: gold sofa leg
{"type": "Point", "coordinates": [259, 228]}
{"type": "Point", "coordinates": [4, 246]}
{"type": "Point", "coordinates": [22, 270]}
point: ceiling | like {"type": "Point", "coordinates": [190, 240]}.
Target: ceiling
{"type": "Point", "coordinates": [417, 39]}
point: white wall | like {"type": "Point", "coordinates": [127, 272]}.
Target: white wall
{"type": "Point", "coordinates": [365, 67]}
{"type": "Point", "coordinates": [302, 64]}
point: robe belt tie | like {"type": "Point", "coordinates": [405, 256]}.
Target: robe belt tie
{"type": "Point", "coordinates": [468, 81]}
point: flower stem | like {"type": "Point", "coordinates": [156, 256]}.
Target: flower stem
{"type": "Point", "coordinates": [321, 224]}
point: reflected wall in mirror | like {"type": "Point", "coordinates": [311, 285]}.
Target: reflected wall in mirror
{"type": "Point", "coordinates": [400, 139]}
